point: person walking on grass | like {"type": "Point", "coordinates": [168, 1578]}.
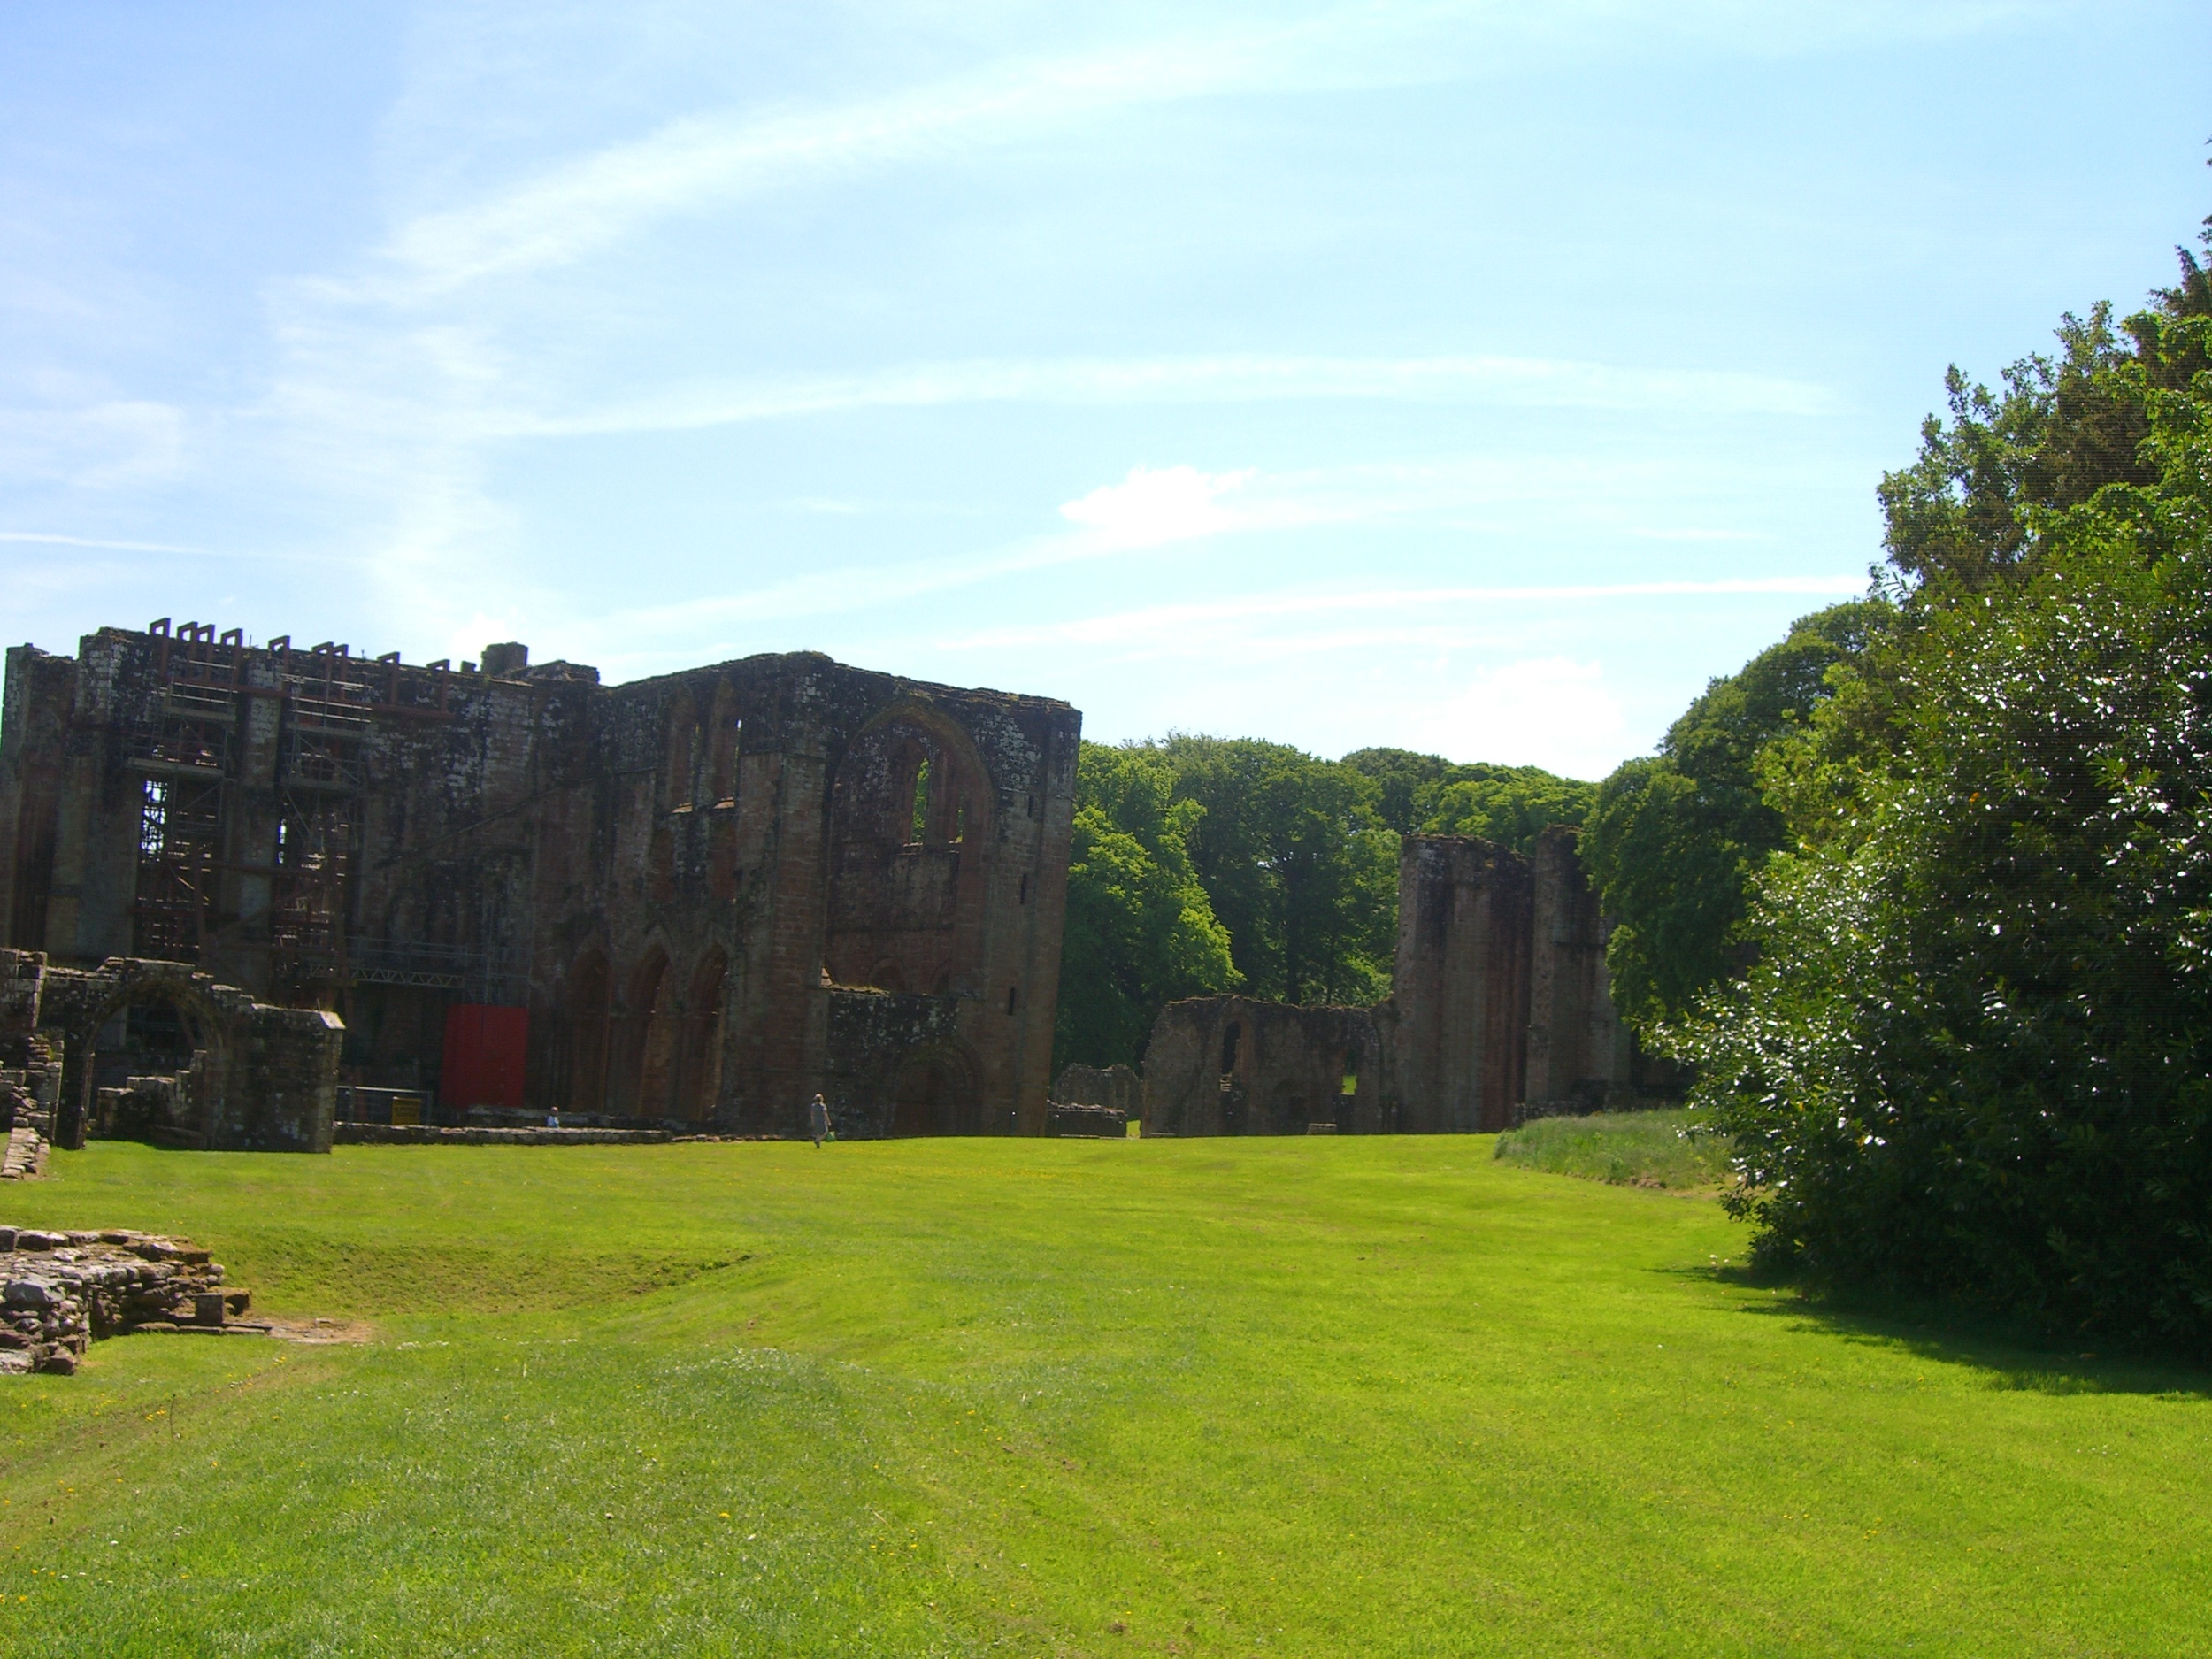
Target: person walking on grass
{"type": "Point", "coordinates": [818, 1121]}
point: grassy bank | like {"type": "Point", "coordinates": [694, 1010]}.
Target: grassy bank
{"type": "Point", "coordinates": [1349, 1396]}
{"type": "Point", "coordinates": [1643, 1149]}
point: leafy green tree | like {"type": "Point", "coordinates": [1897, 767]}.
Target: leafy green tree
{"type": "Point", "coordinates": [1297, 864]}
{"type": "Point", "coordinates": [1140, 931]}
{"type": "Point", "coordinates": [1971, 1057]}
{"type": "Point", "coordinates": [2060, 428]}
{"type": "Point", "coordinates": [1430, 795]}
{"type": "Point", "coordinates": [1405, 784]}
{"type": "Point", "coordinates": [1674, 841]}
{"type": "Point", "coordinates": [1511, 805]}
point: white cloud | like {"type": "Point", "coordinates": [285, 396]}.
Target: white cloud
{"type": "Point", "coordinates": [1157, 504]}
{"type": "Point", "coordinates": [572, 211]}
{"type": "Point", "coordinates": [1548, 712]}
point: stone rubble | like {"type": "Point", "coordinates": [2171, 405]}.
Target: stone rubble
{"type": "Point", "coordinates": [60, 1290]}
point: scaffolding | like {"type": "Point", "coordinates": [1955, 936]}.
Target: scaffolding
{"type": "Point", "coordinates": [183, 750]}
{"type": "Point", "coordinates": [186, 748]}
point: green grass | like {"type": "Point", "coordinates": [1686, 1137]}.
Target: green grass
{"type": "Point", "coordinates": [1373, 1396]}
{"type": "Point", "coordinates": [1641, 1148]}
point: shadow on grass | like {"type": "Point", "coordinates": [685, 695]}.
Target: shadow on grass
{"type": "Point", "coordinates": [2007, 1354]}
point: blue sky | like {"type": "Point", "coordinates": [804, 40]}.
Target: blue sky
{"type": "Point", "coordinates": [1472, 378]}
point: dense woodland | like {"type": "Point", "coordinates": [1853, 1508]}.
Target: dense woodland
{"type": "Point", "coordinates": [1922, 894]}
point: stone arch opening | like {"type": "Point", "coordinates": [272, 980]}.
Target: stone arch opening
{"type": "Point", "coordinates": [936, 1094]}
{"type": "Point", "coordinates": [151, 1059]}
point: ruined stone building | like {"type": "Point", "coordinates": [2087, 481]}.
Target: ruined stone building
{"type": "Point", "coordinates": [702, 897]}
{"type": "Point", "coordinates": [1499, 1007]}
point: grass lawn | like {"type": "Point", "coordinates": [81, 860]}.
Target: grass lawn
{"type": "Point", "coordinates": [1307, 1396]}
{"type": "Point", "coordinates": [1646, 1148]}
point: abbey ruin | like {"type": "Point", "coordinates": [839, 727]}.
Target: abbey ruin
{"type": "Point", "coordinates": [1498, 1008]}
{"type": "Point", "coordinates": [240, 883]}
{"type": "Point", "coordinates": [698, 898]}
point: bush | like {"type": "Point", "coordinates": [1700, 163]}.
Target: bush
{"type": "Point", "coordinates": [1974, 1055]}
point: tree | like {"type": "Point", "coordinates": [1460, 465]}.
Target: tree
{"type": "Point", "coordinates": [1971, 1056]}
{"type": "Point", "coordinates": [1674, 841]}
{"type": "Point", "coordinates": [1140, 931]}
{"type": "Point", "coordinates": [1296, 863]}
{"type": "Point", "coordinates": [1430, 795]}
{"type": "Point", "coordinates": [1971, 508]}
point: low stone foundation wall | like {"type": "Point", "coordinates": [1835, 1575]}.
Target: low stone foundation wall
{"type": "Point", "coordinates": [427, 1135]}
{"type": "Point", "coordinates": [60, 1290]}
{"type": "Point", "coordinates": [1095, 1122]}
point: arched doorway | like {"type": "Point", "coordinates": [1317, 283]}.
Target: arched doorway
{"type": "Point", "coordinates": [935, 1093]}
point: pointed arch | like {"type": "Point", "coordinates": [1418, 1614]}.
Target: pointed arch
{"type": "Point", "coordinates": [936, 1094]}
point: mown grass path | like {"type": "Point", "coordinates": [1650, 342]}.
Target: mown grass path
{"type": "Point", "coordinates": [1359, 1396]}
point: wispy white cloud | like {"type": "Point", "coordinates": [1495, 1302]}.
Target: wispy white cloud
{"type": "Point", "coordinates": [1554, 712]}
{"type": "Point", "coordinates": [1505, 381]}
{"type": "Point", "coordinates": [114, 445]}
{"type": "Point", "coordinates": [48, 538]}
{"type": "Point", "coordinates": [1202, 619]}
{"type": "Point", "coordinates": [575, 209]}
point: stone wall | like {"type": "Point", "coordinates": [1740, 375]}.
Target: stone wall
{"type": "Point", "coordinates": [58, 1291]}
{"type": "Point", "coordinates": [1499, 995]}
{"type": "Point", "coordinates": [259, 1077]}
{"type": "Point", "coordinates": [1115, 1087]}
{"type": "Point", "coordinates": [681, 879]}
{"type": "Point", "coordinates": [1227, 1065]}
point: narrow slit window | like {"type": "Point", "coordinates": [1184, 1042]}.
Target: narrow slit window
{"type": "Point", "coordinates": [1013, 995]}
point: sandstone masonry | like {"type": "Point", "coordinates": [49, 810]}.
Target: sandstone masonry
{"type": "Point", "coordinates": [1499, 1010]}
{"type": "Point", "coordinates": [695, 899]}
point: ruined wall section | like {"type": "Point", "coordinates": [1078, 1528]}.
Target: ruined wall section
{"type": "Point", "coordinates": [740, 846]}
{"type": "Point", "coordinates": [34, 751]}
{"type": "Point", "coordinates": [1579, 1047]}
{"type": "Point", "coordinates": [265, 1078]}
{"type": "Point", "coordinates": [1227, 1065]}
{"type": "Point", "coordinates": [1460, 991]}
{"type": "Point", "coordinates": [672, 876]}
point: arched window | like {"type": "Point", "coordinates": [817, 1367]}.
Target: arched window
{"type": "Point", "coordinates": [1230, 1040]}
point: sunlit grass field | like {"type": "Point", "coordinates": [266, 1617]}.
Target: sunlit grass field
{"type": "Point", "coordinates": [1647, 1148]}
{"type": "Point", "coordinates": [1311, 1396]}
